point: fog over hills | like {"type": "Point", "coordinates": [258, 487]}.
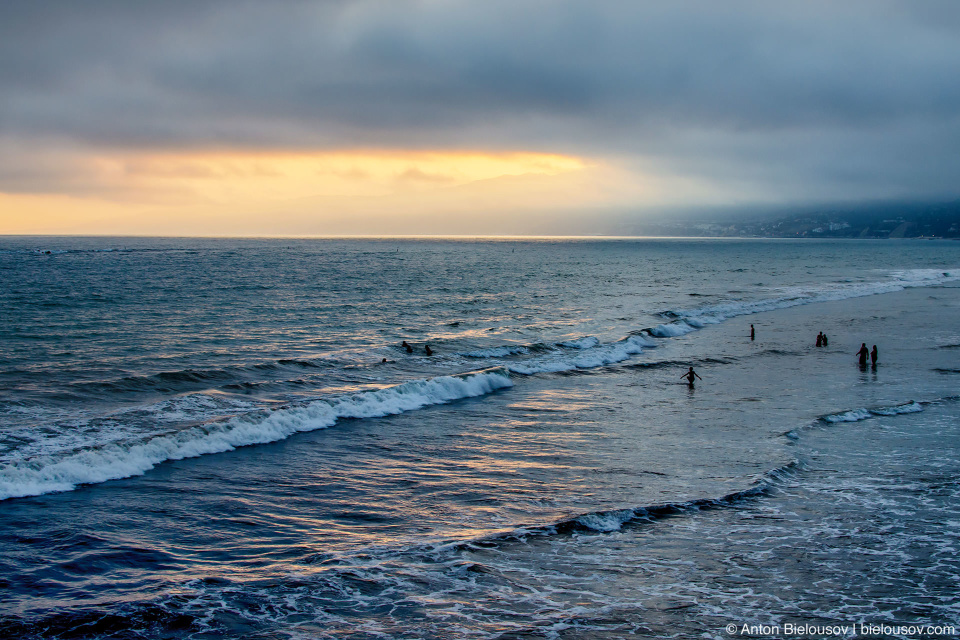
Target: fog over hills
{"type": "Point", "coordinates": [850, 220]}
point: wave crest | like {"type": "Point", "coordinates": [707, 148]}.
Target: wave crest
{"type": "Point", "coordinates": [65, 471]}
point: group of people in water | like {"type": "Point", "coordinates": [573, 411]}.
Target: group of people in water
{"type": "Point", "coordinates": [690, 376]}
{"type": "Point", "coordinates": [864, 352]}
{"type": "Point", "coordinates": [822, 341]}
{"type": "Point", "coordinates": [426, 348]}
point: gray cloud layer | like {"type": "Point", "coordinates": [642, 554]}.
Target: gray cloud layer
{"type": "Point", "coordinates": [810, 100]}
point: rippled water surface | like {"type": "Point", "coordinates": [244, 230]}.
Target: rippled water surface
{"type": "Point", "coordinates": [226, 438]}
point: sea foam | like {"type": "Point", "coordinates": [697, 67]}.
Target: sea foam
{"type": "Point", "coordinates": [691, 319]}
{"type": "Point", "coordinates": [590, 354]}
{"type": "Point", "coordinates": [856, 415]}
{"type": "Point", "coordinates": [65, 471]}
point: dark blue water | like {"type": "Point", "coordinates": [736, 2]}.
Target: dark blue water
{"type": "Point", "coordinates": [201, 438]}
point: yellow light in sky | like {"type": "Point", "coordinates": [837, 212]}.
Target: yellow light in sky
{"type": "Point", "coordinates": [233, 177]}
{"type": "Point", "coordinates": [316, 193]}
{"type": "Point", "coordinates": [264, 192]}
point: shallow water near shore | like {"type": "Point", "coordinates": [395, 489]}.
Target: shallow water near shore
{"type": "Point", "coordinates": [200, 438]}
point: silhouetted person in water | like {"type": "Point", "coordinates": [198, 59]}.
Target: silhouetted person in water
{"type": "Point", "coordinates": [690, 375]}
{"type": "Point", "coordinates": [753, 333]}
{"type": "Point", "coordinates": [407, 347]}
{"type": "Point", "coordinates": [428, 350]}
{"type": "Point", "coordinates": [863, 353]}
{"type": "Point", "coordinates": [820, 339]}
{"type": "Point", "coordinates": [824, 339]}
{"type": "Point", "coordinates": [873, 356]}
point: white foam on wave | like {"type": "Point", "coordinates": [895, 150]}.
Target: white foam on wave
{"type": "Point", "coordinates": [194, 406]}
{"type": "Point", "coordinates": [75, 431]}
{"type": "Point", "coordinates": [674, 329]}
{"type": "Point", "coordinates": [587, 342]}
{"type": "Point", "coordinates": [856, 415]}
{"type": "Point", "coordinates": [584, 343]}
{"type": "Point", "coordinates": [497, 352]}
{"type": "Point", "coordinates": [47, 474]}
{"type": "Point", "coordinates": [910, 407]}
{"type": "Point", "coordinates": [607, 521]}
{"type": "Point", "coordinates": [588, 358]}
{"type": "Point", "coordinates": [691, 319]}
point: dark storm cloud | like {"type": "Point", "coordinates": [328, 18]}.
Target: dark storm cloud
{"type": "Point", "coordinates": [836, 97]}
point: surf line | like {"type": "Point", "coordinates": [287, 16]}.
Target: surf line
{"type": "Point", "coordinates": [687, 320]}
{"type": "Point", "coordinates": [116, 460]}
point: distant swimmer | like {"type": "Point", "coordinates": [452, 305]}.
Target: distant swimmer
{"type": "Point", "coordinates": [873, 356]}
{"type": "Point", "coordinates": [407, 347]}
{"type": "Point", "coordinates": [820, 339]}
{"type": "Point", "coordinates": [753, 333]}
{"type": "Point", "coordinates": [863, 353]}
{"type": "Point", "coordinates": [428, 350]}
{"type": "Point", "coordinates": [824, 339]}
{"type": "Point", "coordinates": [690, 375]}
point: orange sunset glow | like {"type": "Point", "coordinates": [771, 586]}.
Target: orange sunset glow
{"type": "Point", "coordinates": [299, 193]}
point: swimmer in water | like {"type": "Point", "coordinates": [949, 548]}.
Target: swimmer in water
{"type": "Point", "coordinates": [873, 356]}
{"type": "Point", "coordinates": [863, 353]}
{"type": "Point", "coordinates": [428, 350]}
{"type": "Point", "coordinates": [407, 347]}
{"type": "Point", "coordinates": [690, 375]}
{"type": "Point", "coordinates": [753, 333]}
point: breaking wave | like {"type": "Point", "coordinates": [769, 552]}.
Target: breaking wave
{"type": "Point", "coordinates": [591, 354]}
{"type": "Point", "coordinates": [615, 520]}
{"type": "Point", "coordinates": [64, 471]}
{"type": "Point", "coordinates": [687, 320]}
{"type": "Point", "coordinates": [856, 415]}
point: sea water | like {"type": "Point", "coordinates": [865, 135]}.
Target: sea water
{"type": "Point", "coordinates": [225, 438]}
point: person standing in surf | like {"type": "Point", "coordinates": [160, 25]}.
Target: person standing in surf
{"type": "Point", "coordinates": [690, 375]}
{"type": "Point", "coordinates": [863, 353]}
{"type": "Point", "coordinates": [873, 356]}
{"type": "Point", "coordinates": [753, 333]}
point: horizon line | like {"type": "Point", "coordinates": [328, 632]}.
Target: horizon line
{"type": "Point", "coordinates": [486, 236]}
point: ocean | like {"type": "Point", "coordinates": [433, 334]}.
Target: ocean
{"type": "Point", "coordinates": [226, 438]}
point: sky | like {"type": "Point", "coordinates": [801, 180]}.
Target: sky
{"type": "Point", "coordinates": [493, 117]}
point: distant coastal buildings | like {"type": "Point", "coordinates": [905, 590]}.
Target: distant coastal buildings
{"type": "Point", "coordinates": [888, 220]}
